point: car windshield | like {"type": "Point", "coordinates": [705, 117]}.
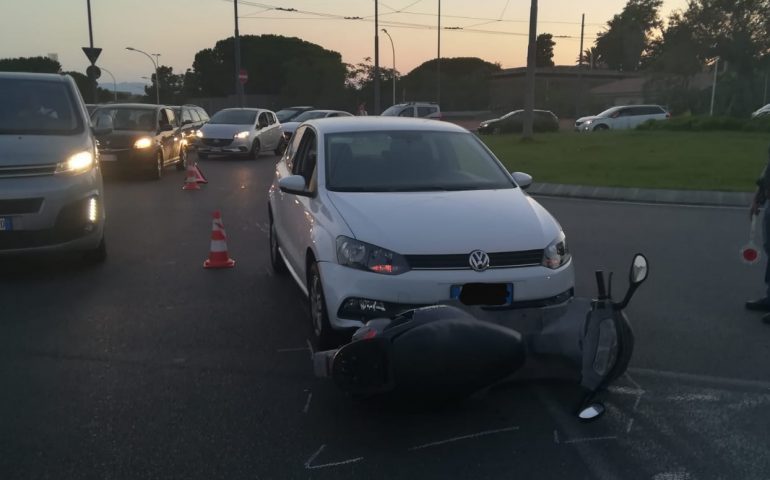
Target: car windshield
{"type": "Point", "coordinates": [393, 111]}
{"type": "Point", "coordinates": [309, 116]}
{"type": "Point", "coordinates": [37, 107]}
{"type": "Point", "coordinates": [286, 114]}
{"type": "Point", "coordinates": [411, 161]}
{"type": "Point", "coordinates": [234, 117]}
{"type": "Point", "coordinates": [126, 118]}
{"type": "Point", "coordinates": [608, 112]}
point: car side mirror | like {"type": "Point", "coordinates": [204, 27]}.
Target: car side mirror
{"type": "Point", "coordinates": [522, 179]}
{"type": "Point", "coordinates": [166, 128]}
{"type": "Point", "coordinates": [294, 184]}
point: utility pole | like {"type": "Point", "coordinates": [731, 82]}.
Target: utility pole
{"type": "Point", "coordinates": [91, 44]}
{"type": "Point", "coordinates": [579, 93]}
{"type": "Point", "coordinates": [376, 58]}
{"type": "Point", "coordinates": [438, 58]}
{"type": "Point", "coordinates": [237, 41]}
{"type": "Point", "coordinates": [582, 34]}
{"type": "Point", "coordinates": [529, 94]}
{"type": "Point", "coordinates": [714, 86]}
{"type": "Point", "coordinates": [393, 48]}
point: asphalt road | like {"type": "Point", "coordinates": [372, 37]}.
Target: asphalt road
{"type": "Point", "coordinates": [150, 366]}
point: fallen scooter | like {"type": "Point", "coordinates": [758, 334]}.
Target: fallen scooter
{"type": "Point", "coordinates": [451, 351]}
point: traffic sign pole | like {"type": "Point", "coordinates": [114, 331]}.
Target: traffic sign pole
{"type": "Point", "coordinates": [92, 54]}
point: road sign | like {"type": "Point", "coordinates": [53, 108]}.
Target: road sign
{"type": "Point", "coordinates": [243, 76]}
{"type": "Point", "coordinates": [92, 53]}
{"type": "Point", "coordinates": [93, 72]}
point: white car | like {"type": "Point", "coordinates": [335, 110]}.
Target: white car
{"type": "Point", "coordinates": [290, 127]}
{"type": "Point", "coordinates": [762, 112]}
{"type": "Point", "coordinates": [240, 131]}
{"type": "Point", "coordinates": [372, 216]}
{"type": "Point", "coordinates": [621, 118]}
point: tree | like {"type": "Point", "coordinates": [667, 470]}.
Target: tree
{"type": "Point", "coordinates": [464, 83]}
{"type": "Point", "coordinates": [171, 87]}
{"type": "Point", "coordinates": [591, 58]}
{"type": "Point", "coordinates": [30, 65]}
{"type": "Point", "coordinates": [544, 50]}
{"type": "Point", "coordinates": [627, 37]}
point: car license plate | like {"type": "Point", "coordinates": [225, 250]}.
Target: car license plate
{"type": "Point", "coordinates": [486, 294]}
{"type": "Point", "coordinates": [6, 224]}
{"type": "Point", "coordinates": [216, 149]}
{"type": "Point", "coordinates": [108, 157]}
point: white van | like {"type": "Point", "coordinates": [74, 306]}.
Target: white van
{"type": "Point", "coordinates": [621, 118]}
{"type": "Point", "coordinates": [51, 194]}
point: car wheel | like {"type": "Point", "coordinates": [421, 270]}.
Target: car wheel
{"type": "Point", "coordinates": [601, 128]}
{"type": "Point", "coordinates": [156, 171]}
{"type": "Point", "coordinates": [276, 261]}
{"type": "Point", "coordinates": [325, 338]}
{"type": "Point", "coordinates": [97, 255]}
{"type": "Point", "coordinates": [255, 148]}
{"type": "Point", "coordinates": [182, 163]}
{"type": "Point", "coordinates": [203, 156]}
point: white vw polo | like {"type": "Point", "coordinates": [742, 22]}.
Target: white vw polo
{"type": "Point", "coordinates": [373, 215]}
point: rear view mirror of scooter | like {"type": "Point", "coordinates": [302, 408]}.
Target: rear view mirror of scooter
{"type": "Point", "coordinates": [637, 275]}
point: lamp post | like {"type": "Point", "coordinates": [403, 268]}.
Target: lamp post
{"type": "Point", "coordinates": [714, 86]}
{"type": "Point", "coordinates": [154, 64]}
{"type": "Point", "coordinates": [114, 84]}
{"type": "Point", "coordinates": [393, 48]}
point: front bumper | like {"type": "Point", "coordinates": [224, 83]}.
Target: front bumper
{"type": "Point", "coordinates": [60, 222]}
{"type": "Point", "coordinates": [225, 146]}
{"type": "Point", "coordinates": [131, 158]}
{"type": "Point", "coordinates": [532, 287]}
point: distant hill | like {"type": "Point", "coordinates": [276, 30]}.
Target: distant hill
{"type": "Point", "coordinates": [135, 88]}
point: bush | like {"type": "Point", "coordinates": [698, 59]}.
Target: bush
{"type": "Point", "coordinates": [708, 124]}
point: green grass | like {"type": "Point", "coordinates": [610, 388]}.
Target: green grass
{"type": "Point", "coordinates": [726, 161]}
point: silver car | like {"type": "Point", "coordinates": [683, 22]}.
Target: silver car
{"type": "Point", "coordinates": [51, 196]}
{"type": "Point", "coordinates": [240, 131]}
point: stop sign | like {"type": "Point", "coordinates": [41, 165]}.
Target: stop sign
{"type": "Point", "coordinates": [243, 76]}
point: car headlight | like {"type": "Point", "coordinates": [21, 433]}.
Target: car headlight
{"type": "Point", "coordinates": [363, 256]}
{"type": "Point", "coordinates": [241, 135]}
{"type": "Point", "coordinates": [78, 163]}
{"type": "Point", "coordinates": [144, 142]}
{"type": "Point", "coordinates": [588, 122]}
{"type": "Point", "coordinates": [484, 125]}
{"type": "Point", "coordinates": [556, 253]}
{"type": "Point", "coordinates": [199, 134]}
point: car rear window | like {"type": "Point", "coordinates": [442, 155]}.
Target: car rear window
{"type": "Point", "coordinates": [38, 107]}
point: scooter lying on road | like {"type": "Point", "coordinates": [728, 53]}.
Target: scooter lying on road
{"type": "Point", "coordinates": [452, 351]}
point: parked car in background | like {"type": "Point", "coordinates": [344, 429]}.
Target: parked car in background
{"type": "Point", "coordinates": [373, 216]}
{"type": "Point", "coordinates": [290, 127]}
{"type": "Point", "coordinates": [762, 112]}
{"type": "Point", "coordinates": [240, 131]}
{"type": "Point", "coordinates": [144, 138]}
{"type": "Point", "coordinates": [621, 118]}
{"type": "Point", "coordinates": [288, 114]}
{"type": "Point", "coordinates": [91, 107]}
{"type": "Point", "coordinates": [544, 121]}
{"type": "Point", "coordinates": [190, 118]}
{"type": "Point", "coordinates": [51, 194]}
{"type": "Point", "coordinates": [414, 109]}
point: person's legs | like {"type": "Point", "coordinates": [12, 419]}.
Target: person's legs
{"type": "Point", "coordinates": [763, 304]}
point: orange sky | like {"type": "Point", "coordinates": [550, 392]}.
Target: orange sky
{"type": "Point", "coordinates": [177, 29]}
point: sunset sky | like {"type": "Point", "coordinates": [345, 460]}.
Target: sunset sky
{"type": "Point", "coordinates": [177, 29]}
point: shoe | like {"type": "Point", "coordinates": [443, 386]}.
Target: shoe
{"type": "Point", "coordinates": [761, 305]}
{"type": "Point", "coordinates": [766, 319]}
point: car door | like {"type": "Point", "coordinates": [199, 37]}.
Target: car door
{"type": "Point", "coordinates": [275, 131]}
{"type": "Point", "coordinates": [294, 210]}
{"type": "Point", "coordinates": [168, 135]}
{"type": "Point", "coordinates": [263, 132]}
{"type": "Point", "coordinates": [623, 118]}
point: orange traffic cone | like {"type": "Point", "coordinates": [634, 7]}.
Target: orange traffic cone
{"type": "Point", "coordinates": [191, 180]}
{"type": "Point", "coordinates": [218, 256]}
{"type": "Point", "coordinates": [199, 178]}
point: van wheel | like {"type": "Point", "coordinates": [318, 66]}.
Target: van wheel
{"type": "Point", "coordinates": [97, 255]}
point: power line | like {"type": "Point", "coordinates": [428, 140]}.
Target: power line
{"type": "Point", "coordinates": [504, 9]}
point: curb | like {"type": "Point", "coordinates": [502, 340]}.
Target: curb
{"type": "Point", "coordinates": [644, 195]}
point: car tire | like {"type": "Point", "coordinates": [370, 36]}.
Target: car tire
{"type": "Point", "coordinates": [276, 261]}
{"type": "Point", "coordinates": [156, 172]}
{"type": "Point", "coordinates": [324, 337]}
{"type": "Point", "coordinates": [182, 163]}
{"type": "Point", "coordinates": [97, 255]}
{"type": "Point", "coordinates": [601, 128]}
{"type": "Point", "coordinates": [255, 148]}
{"type": "Point", "coordinates": [202, 156]}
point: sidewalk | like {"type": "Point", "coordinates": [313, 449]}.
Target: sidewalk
{"type": "Point", "coordinates": [642, 195]}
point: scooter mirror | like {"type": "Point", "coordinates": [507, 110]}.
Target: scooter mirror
{"type": "Point", "coordinates": [639, 269]}
{"type": "Point", "coordinates": [591, 412]}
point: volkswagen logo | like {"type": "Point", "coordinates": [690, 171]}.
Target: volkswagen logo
{"type": "Point", "coordinates": [478, 260]}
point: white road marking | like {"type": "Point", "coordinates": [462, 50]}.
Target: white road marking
{"type": "Point", "coordinates": [633, 382]}
{"type": "Point", "coordinates": [310, 347]}
{"type": "Point", "coordinates": [308, 465]}
{"type": "Point", "coordinates": [590, 439]}
{"type": "Point", "coordinates": [718, 381]}
{"type": "Point", "coordinates": [464, 437]}
{"type": "Point", "coordinates": [636, 404]}
{"type": "Point", "coordinates": [307, 403]}
{"type": "Point", "coordinates": [625, 391]}
{"type": "Point", "coordinates": [313, 456]}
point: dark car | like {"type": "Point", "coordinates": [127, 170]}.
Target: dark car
{"type": "Point", "coordinates": [144, 138]}
{"type": "Point", "coordinates": [513, 122]}
{"type": "Point", "coordinates": [190, 118]}
{"type": "Point", "coordinates": [287, 114]}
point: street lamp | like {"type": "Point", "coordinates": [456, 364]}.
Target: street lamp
{"type": "Point", "coordinates": [714, 86]}
{"type": "Point", "coordinates": [394, 63]}
{"type": "Point", "coordinates": [114, 84]}
{"type": "Point", "coordinates": [154, 64]}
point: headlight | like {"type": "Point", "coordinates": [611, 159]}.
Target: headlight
{"type": "Point", "coordinates": [588, 122]}
{"type": "Point", "coordinates": [242, 135]}
{"type": "Point", "coordinates": [484, 125]}
{"type": "Point", "coordinates": [363, 256]}
{"type": "Point", "coordinates": [78, 163]}
{"type": "Point", "coordinates": [556, 253]}
{"type": "Point", "coordinates": [199, 134]}
{"type": "Point", "coordinates": [144, 142]}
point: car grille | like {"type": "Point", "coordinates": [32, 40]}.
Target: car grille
{"type": "Point", "coordinates": [27, 171]}
{"type": "Point", "coordinates": [20, 206]}
{"type": "Point", "coordinates": [217, 142]}
{"type": "Point", "coordinates": [460, 261]}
